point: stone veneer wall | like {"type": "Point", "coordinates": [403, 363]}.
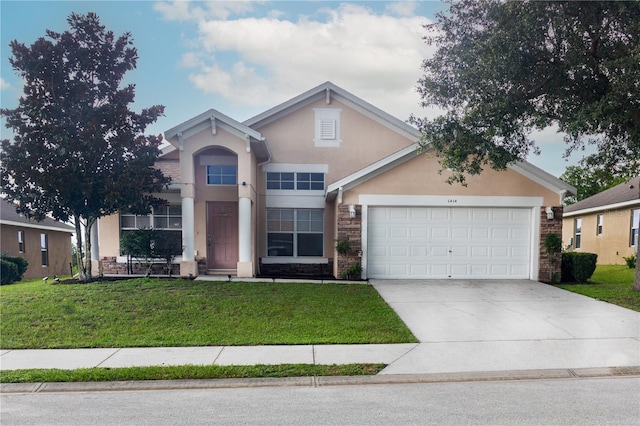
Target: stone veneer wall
{"type": "Point", "coordinates": [111, 267]}
{"type": "Point", "coordinates": [545, 270]}
{"type": "Point", "coordinates": [349, 229]}
{"type": "Point", "coordinates": [297, 270]}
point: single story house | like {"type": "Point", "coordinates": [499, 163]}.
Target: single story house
{"type": "Point", "coordinates": [270, 196]}
{"type": "Point", "coordinates": [605, 224]}
{"type": "Point", "coordinates": [45, 245]}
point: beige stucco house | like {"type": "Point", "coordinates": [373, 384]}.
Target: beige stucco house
{"type": "Point", "coordinates": [46, 245]}
{"type": "Point", "coordinates": [605, 224]}
{"type": "Point", "coordinates": [271, 196]}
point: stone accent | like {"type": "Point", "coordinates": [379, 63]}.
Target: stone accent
{"type": "Point", "coordinates": [110, 266]}
{"type": "Point", "coordinates": [349, 229]}
{"type": "Point", "coordinates": [296, 270]}
{"type": "Point", "coordinates": [546, 271]}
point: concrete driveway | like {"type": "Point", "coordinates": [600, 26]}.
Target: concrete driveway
{"type": "Point", "coordinates": [484, 325]}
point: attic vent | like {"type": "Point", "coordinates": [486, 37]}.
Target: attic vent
{"type": "Point", "coordinates": [327, 127]}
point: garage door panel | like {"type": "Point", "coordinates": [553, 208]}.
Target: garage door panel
{"type": "Point", "coordinates": [438, 242]}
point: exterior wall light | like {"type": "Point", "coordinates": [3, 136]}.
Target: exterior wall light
{"type": "Point", "coordinates": [549, 211]}
{"type": "Point", "coordinates": [352, 211]}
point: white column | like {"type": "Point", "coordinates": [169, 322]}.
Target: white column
{"type": "Point", "coordinates": [244, 229]}
{"type": "Point", "coordinates": [95, 250]}
{"type": "Point", "coordinates": [188, 229]}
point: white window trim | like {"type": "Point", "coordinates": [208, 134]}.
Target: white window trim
{"type": "Point", "coordinates": [324, 115]}
{"type": "Point", "coordinates": [295, 232]}
{"type": "Point", "coordinates": [206, 175]}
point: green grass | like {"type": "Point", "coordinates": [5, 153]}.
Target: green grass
{"type": "Point", "coordinates": [184, 372]}
{"type": "Point", "coordinates": [610, 283]}
{"type": "Point", "coordinates": [157, 312]}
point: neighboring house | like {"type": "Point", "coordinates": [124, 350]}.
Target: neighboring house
{"type": "Point", "coordinates": [605, 224]}
{"type": "Point", "coordinates": [271, 195]}
{"type": "Point", "coordinates": [45, 245]}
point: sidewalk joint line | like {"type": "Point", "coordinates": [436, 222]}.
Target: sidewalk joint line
{"type": "Point", "coordinates": [107, 358]}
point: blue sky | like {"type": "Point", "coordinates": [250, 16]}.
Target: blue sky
{"type": "Point", "coordinates": [242, 57]}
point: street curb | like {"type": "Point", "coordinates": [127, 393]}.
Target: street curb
{"type": "Point", "coordinates": [318, 381]}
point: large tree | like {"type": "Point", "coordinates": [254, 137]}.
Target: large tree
{"type": "Point", "coordinates": [590, 178]}
{"type": "Point", "coordinates": [78, 152]}
{"type": "Point", "coordinates": [506, 68]}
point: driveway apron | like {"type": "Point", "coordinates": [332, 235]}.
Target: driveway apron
{"type": "Point", "coordinates": [485, 325]}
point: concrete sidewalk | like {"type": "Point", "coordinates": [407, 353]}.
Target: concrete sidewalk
{"type": "Point", "coordinates": [208, 355]}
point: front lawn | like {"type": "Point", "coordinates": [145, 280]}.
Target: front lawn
{"type": "Point", "coordinates": [610, 283]}
{"type": "Point", "coordinates": [160, 312]}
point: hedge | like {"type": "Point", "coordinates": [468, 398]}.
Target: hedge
{"type": "Point", "coordinates": [13, 268]}
{"type": "Point", "coordinates": [577, 267]}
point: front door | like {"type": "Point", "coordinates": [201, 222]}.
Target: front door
{"type": "Point", "coordinates": [222, 235]}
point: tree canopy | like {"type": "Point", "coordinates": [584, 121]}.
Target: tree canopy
{"type": "Point", "coordinates": [78, 151]}
{"type": "Point", "coordinates": [590, 179]}
{"type": "Point", "coordinates": [505, 69]}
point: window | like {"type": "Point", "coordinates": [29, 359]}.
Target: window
{"type": "Point", "coordinates": [297, 181]}
{"type": "Point", "coordinates": [222, 175]}
{"type": "Point", "coordinates": [295, 232]}
{"type": "Point", "coordinates": [578, 233]}
{"type": "Point", "coordinates": [635, 225]}
{"type": "Point", "coordinates": [167, 218]}
{"type": "Point", "coordinates": [599, 226]}
{"type": "Point", "coordinates": [277, 180]}
{"type": "Point", "coordinates": [44, 249]}
{"type": "Point", "coordinates": [327, 127]}
{"type": "Point", "coordinates": [21, 241]}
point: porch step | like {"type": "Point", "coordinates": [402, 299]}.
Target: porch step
{"type": "Point", "coordinates": [232, 272]}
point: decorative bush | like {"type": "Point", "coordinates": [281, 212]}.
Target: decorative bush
{"type": "Point", "coordinates": [8, 274]}
{"type": "Point", "coordinates": [578, 267]}
{"type": "Point", "coordinates": [631, 261]}
{"type": "Point", "coordinates": [353, 273]}
{"type": "Point", "coordinates": [148, 245]}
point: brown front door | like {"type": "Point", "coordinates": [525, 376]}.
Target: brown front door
{"type": "Point", "coordinates": [222, 235]}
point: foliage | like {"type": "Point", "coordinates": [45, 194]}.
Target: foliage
{"type": "Point", "coordinates": [590, 179]}
{"type": "Point", "coordinates": [354, 272]}
{"type": "Point", "coordinates": [631, 261]}
{"type": "Point", "coordinates": [187, 372]}
{"type": "Point", "coordinates": [504, 69]}
{"type": "Point", "coordinates": [8, 272]}
{"type": "Point", "coordinates": [149, 312]}
{"type": "Point", "coordinates": [610, 283]}
{"type": "Point", "coordinates": [146, 245]}
{"type": "Point", "coordinates": [578, 266]}
{"type": "Point", "coordinates": [553, 244]}
{"type": "Point", "coordinates": [343, 246]}
{"type": "Point", "coordinates": [78, 152]}
{"type": "Point", "coordinates": [11, 274]}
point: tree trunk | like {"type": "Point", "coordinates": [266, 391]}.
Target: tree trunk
{"type": "Point", "coordinates": [87, 245]}
{"type": "Point", "coordinates": [79, 249]}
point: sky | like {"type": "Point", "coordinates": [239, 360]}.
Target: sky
{"type": "Point", "coordinates": [243, 57]}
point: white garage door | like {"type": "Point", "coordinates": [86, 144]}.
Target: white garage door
{"type": "Point", "coordinates": [448, 242]}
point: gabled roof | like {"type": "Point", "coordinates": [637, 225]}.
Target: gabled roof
{"type": "Point", "coordinates": [528, 170]}
{"type": "Point", "coordinates": [330, 91]}
{"type": "Point", "coordinates": [624, 194]}
{"type": "Point", "coordinates": [9, 216]}
{"type": "Point", "coordinates": [212, 119]}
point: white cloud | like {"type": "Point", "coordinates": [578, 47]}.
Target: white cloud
{"type": "Point", "coordinates": [3, 84]}
{"type": "Point", "coordinates": [402, 8]}
{"type": "Point", "coordinates": [264, 61]}
{"type": "Point", "coordinates": [183, 10]}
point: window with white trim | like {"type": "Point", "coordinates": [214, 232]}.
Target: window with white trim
{"type": "Point", "coordinates": [578, 232]}
{"type": "Point", "coordinates": [166, 218]}
{"type": "Point", "coordinates": [222, 175]}
{"type": "Point", "coordinates": [21, 241]}
{"type": "Point", "coordinates": [295, 232]}
{"type": "Point", "coordinates": [295, 181]}
{"type": "Point", "coordinates": [44, 250]}
{"type": "Point", "coordinates": [327, 127]}
{"type": "Point", "coordinates": [635, 226]}
{"type": "Point", "coordinates": [599, 225]}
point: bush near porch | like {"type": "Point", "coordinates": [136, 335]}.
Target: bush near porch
{"type": "Point", "coordinates": [162, 312]}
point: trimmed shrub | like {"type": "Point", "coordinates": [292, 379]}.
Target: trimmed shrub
{"type": "Point", "coordinates": [631, 261]}
{"type": "Point", "coordinates": [578, 267]}
{"type": "Point", "coordinates": [20, 263]}
{"type": "Point", "coordinates": [8, 275]}
{"type": "Point", "coordinates": [8, 272]}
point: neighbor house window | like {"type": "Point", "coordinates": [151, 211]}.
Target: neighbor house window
{"type": "Point", "coordinates": [21, 241]}
{"type": "Point", "coordinates": [222, 175]}
{"type": "Point", "coordinates": [635, 225]}
{"type": "Point", "coordinates": [327, 127]}
{"type": "Point", "coordinates": [295, 232]}
{"type": "Point", "coordinates": [298, 181]}
{"type": "Point", "coordinates": [578, 233]}
{"type": "Point", "coordinates": [599, 226]}
{"type": "Point", "coordinates": [44, 249]}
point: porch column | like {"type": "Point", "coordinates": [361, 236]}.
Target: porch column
{"type": "Point", "coordinates": [96, 268]}
{"type": "Point", "coordinates": [245, 265]}
{"type": "Point", "coordinates": [188, 265]}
